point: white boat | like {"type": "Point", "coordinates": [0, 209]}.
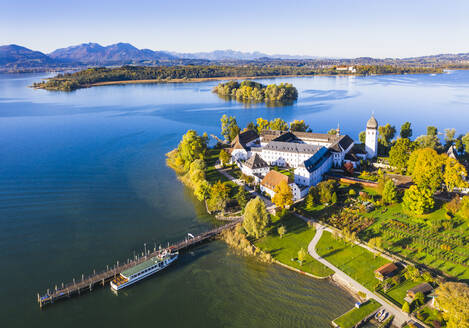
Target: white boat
{"type": "Point", "coordinates": [144, 269]}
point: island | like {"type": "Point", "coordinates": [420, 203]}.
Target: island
{"type": "Point", "coordinates": [257, 92]}
{"type": "Point", "coordinates": [197, 73]}
{"type": "Point", "coordinates": [387, 218]}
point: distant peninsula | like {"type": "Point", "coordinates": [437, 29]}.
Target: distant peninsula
{"type": "Point", "coordinates": [254, 91]}
{"type": "Point", "coordinates": [197, 73]}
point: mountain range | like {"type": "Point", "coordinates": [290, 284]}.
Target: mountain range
{"type": "Point", "coordinates": [18, 58]}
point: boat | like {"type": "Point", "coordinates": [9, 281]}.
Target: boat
{"type": "Point", "coordinates": [144, 269]}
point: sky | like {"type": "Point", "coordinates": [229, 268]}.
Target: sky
{"type": "Point", "coordinates": [326, 28]}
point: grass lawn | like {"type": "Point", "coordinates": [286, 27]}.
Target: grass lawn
{"type": "Point", "coordinates": [399, 292]}
{"type": "Point", "coordinates": [430, 315]}
{"type": "Point", "coordinates": [285, 249]}
{"type": "Point", "coordinates": [355, 261]}
{"type": "Point", "coordinates": [351, 318]}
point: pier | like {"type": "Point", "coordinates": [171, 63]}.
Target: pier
{"type": "Point", "coordinates": [96, 279]}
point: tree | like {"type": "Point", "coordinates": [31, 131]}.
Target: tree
{"type": "Point", "coordinates": [251, 126]}
{"type": "Point", "coordinates": [400, 153]}
{"type": "Point", "coordinates": [419, 298]}
{"type": "Point", "coordinates": [283, 195]}
{"type": "Point", "coordinates": [406, 130]}
{"type": "Point", "coordinates": [418, 200]}
{"type": "Point", "coordinates": [224, 157]}
{"type": "Point", "coordinates": [262, 124]}
{"type": "Point", "coordinates": [310, 202]}
{"type": "Point", "coordinates": [376, 242]}
{"type": "Point", "coordinates": [412, 273]}
{"type": "Point", "coordinates": [428, 142]}
{"type": "Point", "coordinates": [192, 147]}
{"type": "Point", "coordinates": [218, 196]}
{"type": "Point", "coordinates": [302, 255]}
{"type": "Point", "coordinates": [425, 166]}
{"type": "Point", "coordinates": [465, 141]}
{"type": "Point", "coordinates": [449, 136]}
{"type": "Point", "coordinates": [332, 132]}
{"type": "Point", "coordinates": [432, 131]}
{"type": "Point", "coordinates": [386, 134]}
{"type": "Point", "coordinates": [241, 197]}
{"type": "Point", "coordinates": [299, 126]}
{"type": "Point", "coordinates": [325, 190]}
{"type": "Point", "coordinates": [278, 124]}
{"type": "Point", "coordinates": [362, 137]}
{"type": "Point", "coordinates": [454, 174]}
{"type": "Point", "coordinates": [406, 307]}
{"type": "Point", "coordinates": [229, 127]}
{"type": "Point", "coordinates": [389, 192]}
{"type": "Point", "coordinates": [453, 300]}
{"type": "Point", "coordinates": [256, 218]}
{"type": "Point", "coordinates": [281, 231]}
{"type": "Point", "coordinates": [464, 209]}
{"type": "Point", "coordinates": [334, 198]}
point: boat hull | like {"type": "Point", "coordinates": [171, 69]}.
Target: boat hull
{"type": "Point", "coordinates": [143, 276]}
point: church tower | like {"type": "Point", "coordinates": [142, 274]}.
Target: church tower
{"type": "Point", "coordinates": [371, 142]}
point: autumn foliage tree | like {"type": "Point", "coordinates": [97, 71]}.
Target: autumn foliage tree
{"type": "Point", "coordinates": [418, 200]}
{"type": "Point", "coordinates": [426, 167]}
{"type": "Point", "coordinates": [283, 195]}
{"type": "Point", "coordinates": [453, 300]}
{"type": "Point", "coordinates": [256, 218]}
{"type": "Point", "coordinates": [454, 174]}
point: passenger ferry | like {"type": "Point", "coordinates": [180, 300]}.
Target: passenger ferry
{"type": "Point", "coordinates": [143, 270]}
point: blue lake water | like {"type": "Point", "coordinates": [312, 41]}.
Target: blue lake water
{"type": "Point", "coordinates": [83, 183]}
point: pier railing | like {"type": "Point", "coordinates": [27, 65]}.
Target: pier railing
{"type": "Point", "coordinates": [87, 283]}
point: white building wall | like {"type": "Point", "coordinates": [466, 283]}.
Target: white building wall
{"type": "Point", "coordinates": [371, 142]}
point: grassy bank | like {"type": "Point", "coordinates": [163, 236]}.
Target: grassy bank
{"type": "Point", "coordinates": [355, 261]}
{"type": "Point", "coordinates": [285, 250]}
{"type": "Point", "coordinates": [354, 316]}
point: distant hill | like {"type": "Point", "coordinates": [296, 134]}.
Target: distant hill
{"type": "Point", "coordinates": [115, 54]}
{"type": "Point", "coordinates": [16, 56]}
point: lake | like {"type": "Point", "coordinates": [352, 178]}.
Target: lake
{"type": "Point", "coordinates": [83, 184]}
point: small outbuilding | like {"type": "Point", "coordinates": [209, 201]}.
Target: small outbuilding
{"type": "Point", "coordinates": [424, 288]}
{"type": "Point", "coordinates": [386, 271]}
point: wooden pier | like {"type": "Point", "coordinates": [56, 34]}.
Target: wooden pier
{"type": "Point", "coordinates": [87, 284]}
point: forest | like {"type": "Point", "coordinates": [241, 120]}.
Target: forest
{"type": "Point", "coordinates": [92, 76]}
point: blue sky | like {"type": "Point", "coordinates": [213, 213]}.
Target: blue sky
{"type": "Point", "coordinates": [319, 28]}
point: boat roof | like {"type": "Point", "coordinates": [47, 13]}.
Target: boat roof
{"type": "Point", "coordinates": [140, 267]}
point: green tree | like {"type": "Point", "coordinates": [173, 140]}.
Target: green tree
{"type": "Point", "coordinates": [325, 190]}
{"type": "Point", "coordinates": [412, 273]}
{"type": "Point", "coordinates": [332, 132]}
{"type": "Point", "coordinates": [389, 192]}
{"type": "Point", "coordinates": [256, 218]}
{"type": "Point", "coordinates": [465, 141]}
{"type": "Point", "coordinates": [406, 130]}
{"type": "Point", "coordinates": [302, 255]}
{"type": "Point", "coordinates": [406, 307]}
{"type": "Point", "coordinates": [278, 124]}
{"type": "Point", "coordinates": [453, 300]}
{"type": "Point", "coordinates": [192, 147]}
{"type": "Point", "coordinates": [464, 209]}
{"type": "Point", "coordinates": [334, 198]}
{"type": "Point", "coordinates": [281, 231]}
{"type": "Point", "coordinates": [428, 142]}
{"type": "Point", "coordinates": [418, 200]}
{"type": "Point", "coordinates": [224, 157]}
{"type": "Point", "coordinates": [454, 175]}
{"type": "Point", "coordinates": [426, 168]}
{"type": "Point", "coordinates": [219, 193]}
{"type": "Point", "coordinates": [432, 131]}
{"type": "Point", "coordinates": [262, 124]}
{"type": "Point", "coordinates": [310, 202]}
{"type": "Point", "coordinates": [449, 136]}
{"type": "Point", "coordinates": [386, 134]}
{"type": "Point", "coordinates": [241, 197]}
{"type": "Point", "coordinates": [376, 242]}
{"type": "Point", "coordinates": [299, 126]}
{"type": "Point", "coordinates": [283, 195]}
{"type": "Point", "coordinates": [400, 153]}
{"type": "Point", "coordinates": [362, 137]}
{"type": "Point", "coordinates": [229, 127]}
{"type": "Point", "coordinates": [419, 298]}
